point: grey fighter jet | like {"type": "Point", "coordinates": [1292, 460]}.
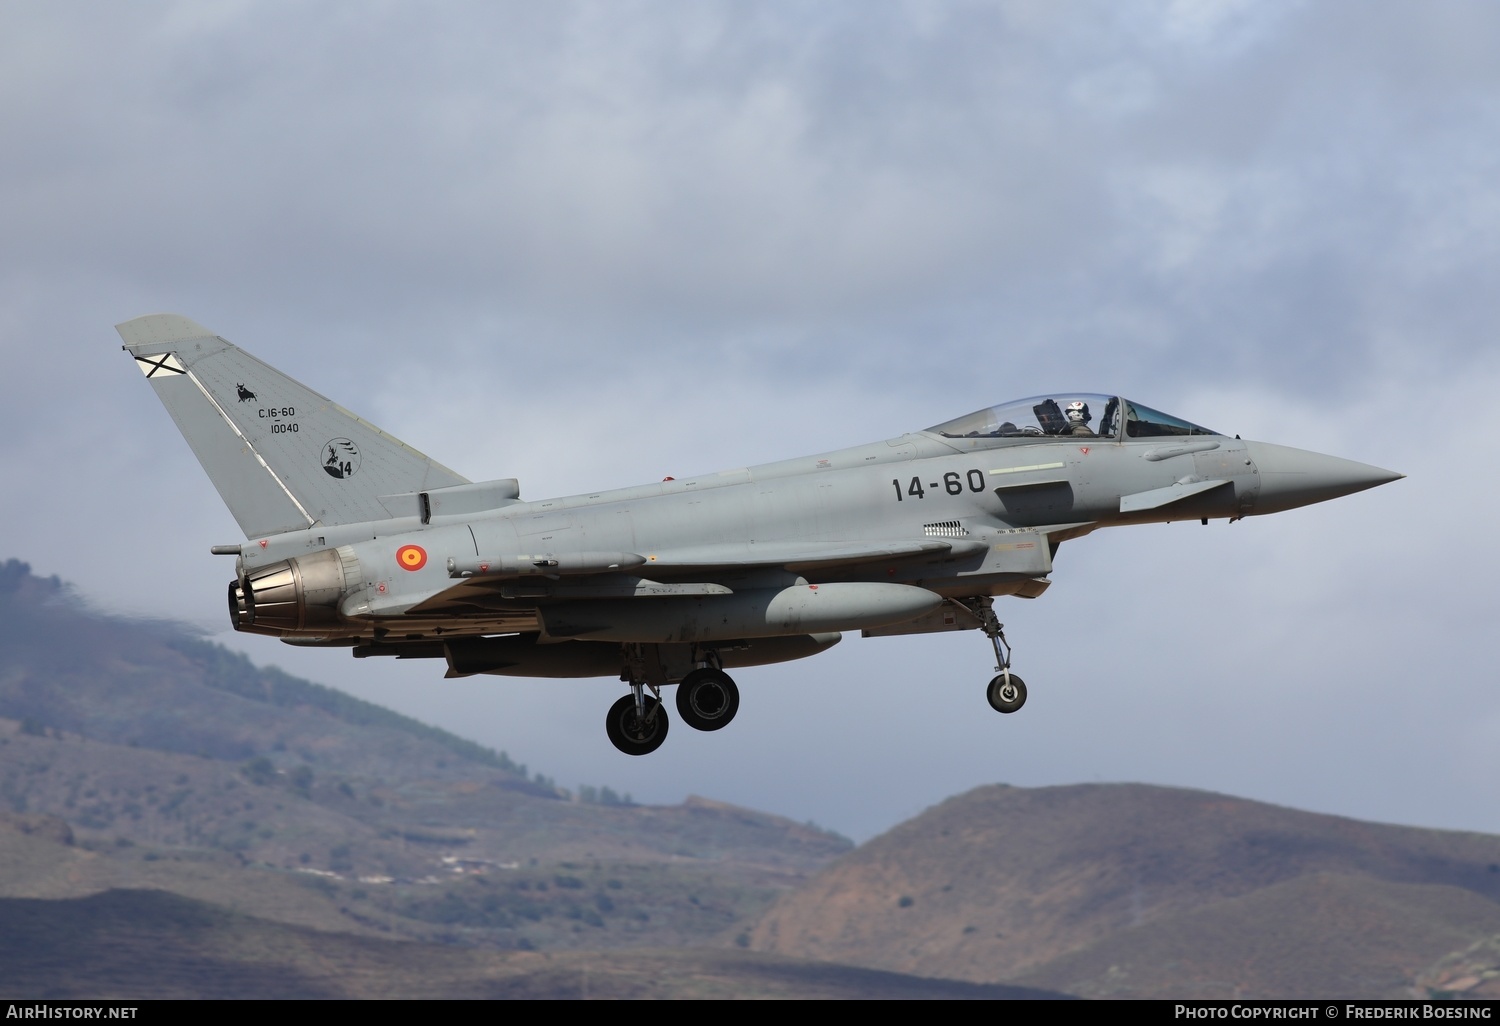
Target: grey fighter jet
{"type": "Point", "coordinates": [359, 541]}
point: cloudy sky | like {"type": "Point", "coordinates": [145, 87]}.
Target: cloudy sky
{"type": "Point", "coordinates": [593, 244]}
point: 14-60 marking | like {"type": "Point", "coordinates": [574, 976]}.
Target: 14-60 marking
{"type": "Point", "coordinates": [953, 484]}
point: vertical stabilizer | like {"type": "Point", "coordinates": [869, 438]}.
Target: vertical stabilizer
{"type": "Point", "coordinates": [283, 457]}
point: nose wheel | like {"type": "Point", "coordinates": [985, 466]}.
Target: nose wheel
{"type": "Point", "coordinates": [1006, 692]}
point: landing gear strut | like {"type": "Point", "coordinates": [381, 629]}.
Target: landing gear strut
{"type": "Point", "coordinates": [1006, 691]}
{"type": "Point", "coordinates": [707, 697]}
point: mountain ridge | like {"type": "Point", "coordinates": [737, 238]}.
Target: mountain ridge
{"type": "Point", "coordinates": [145, 770]}
{"type": "Point", "coordinates": [999, 882]}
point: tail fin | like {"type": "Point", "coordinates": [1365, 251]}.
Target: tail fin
{"type": "Point", "coordinates": [282, 456]}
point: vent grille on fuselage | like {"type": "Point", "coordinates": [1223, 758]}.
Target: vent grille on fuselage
{"type": "Point", "coordinates": [945, 529]}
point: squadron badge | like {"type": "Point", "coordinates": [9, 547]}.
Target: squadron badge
{"type": "Point", "coordinates": [340, 458]}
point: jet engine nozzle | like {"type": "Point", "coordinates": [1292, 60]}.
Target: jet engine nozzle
{"type": "Point", "coordinates": [293, 596]}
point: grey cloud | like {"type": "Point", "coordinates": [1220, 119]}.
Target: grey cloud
{"type": "Point", "coordinates": [594, 244]}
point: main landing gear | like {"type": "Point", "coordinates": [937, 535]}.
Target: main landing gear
{"type": "Point", "coordinates": [707, 699]}
{"type": "Point", "coordinates": [636, 724]}
{"type": "Point", "coordinates": [1006, 692]}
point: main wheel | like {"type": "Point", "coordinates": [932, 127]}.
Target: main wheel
{"type": "Point", "coordinates": [632, 734]}
{"type": "Point", "coordinates": [707, 699]}
{"type": "Point", "coordinates": [1007, 698]}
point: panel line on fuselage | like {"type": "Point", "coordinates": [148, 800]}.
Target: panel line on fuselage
{"type": "Point", "coordinates": [1035, 466]}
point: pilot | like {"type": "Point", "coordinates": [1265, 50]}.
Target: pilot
{"type": "Point", "coordinates": [1078, 419]}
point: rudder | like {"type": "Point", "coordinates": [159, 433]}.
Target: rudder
{"type": "Point", "coordinates": [282, 457]}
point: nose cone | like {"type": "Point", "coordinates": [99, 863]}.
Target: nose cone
{"type": "Point", "coordinates": [1295, 477]}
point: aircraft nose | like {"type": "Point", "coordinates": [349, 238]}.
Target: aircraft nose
{"type": "Point", "coordinates": [1295, 477]}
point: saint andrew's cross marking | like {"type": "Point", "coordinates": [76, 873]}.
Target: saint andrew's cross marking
{"type": "Point", "coordinates": [166, 363]}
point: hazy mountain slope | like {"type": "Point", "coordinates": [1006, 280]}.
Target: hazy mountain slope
{"type": "Point", "coordinates": [1316, 936]}
{"type": "Point", "coordinates": [1472, 971]}
{"type": "Point", "coordinates": [152, 685]}
{"type": "Point", "coordinates": [101, 704]}
{"type": "Point", "coordinates": [137, 761]}
{"type": "Point", "coordinates": [1001, 880]}
{"type": "Point", "coordinates": [149, 944]}
{"type": "Point", "coordinates": [175, 763]}
{"type": "Point", "coordinates": [38, 859]}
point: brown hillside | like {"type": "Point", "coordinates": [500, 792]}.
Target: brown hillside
{"type": "Point", "coordinates": [1472, 972]}
{"type": "Point", "coordinates": [153, 945]}
{"type": "Point", "coordinates": [1001, 880]}
{"type": "Point", "coordinates": [1316, 936]}
{"type": "Point", "coordinates": [38, 859]}
{"type": "Point", "coordinates": [464, 862]}
{"type": "Point", "coordinates": [133, 755]}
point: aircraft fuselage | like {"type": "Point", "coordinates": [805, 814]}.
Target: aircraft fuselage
{"type": "Point", "coordinates": [990, 512]}
{"type": "Point", "coordinates": [358, 540]}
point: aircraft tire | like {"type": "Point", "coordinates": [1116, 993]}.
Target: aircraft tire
{"type": "Point", "coordinates": [629, 733]}
{"type": "Point", "coordinates": [1007, 700]}
{"type": "Point", "coordinates": [707, 699]}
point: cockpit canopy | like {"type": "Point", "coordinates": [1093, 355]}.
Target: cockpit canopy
{"type": "Point", "coordinates": [1071, 414]}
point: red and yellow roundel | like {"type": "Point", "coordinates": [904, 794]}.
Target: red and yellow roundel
{"type": "Point", "coordinates": [411, 557]}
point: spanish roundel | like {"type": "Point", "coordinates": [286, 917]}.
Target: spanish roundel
{"type": "Point", "coordinates": [411, 557]}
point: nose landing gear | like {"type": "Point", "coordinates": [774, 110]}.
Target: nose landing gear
{"type": "Point", "coordinates": [1006, 692]}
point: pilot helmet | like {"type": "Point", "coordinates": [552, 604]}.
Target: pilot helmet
{"type": "Point", "coordinates": [1078, 412]}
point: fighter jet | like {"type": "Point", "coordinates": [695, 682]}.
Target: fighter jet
{"type": "Point", "coordinates": [356, 540]}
